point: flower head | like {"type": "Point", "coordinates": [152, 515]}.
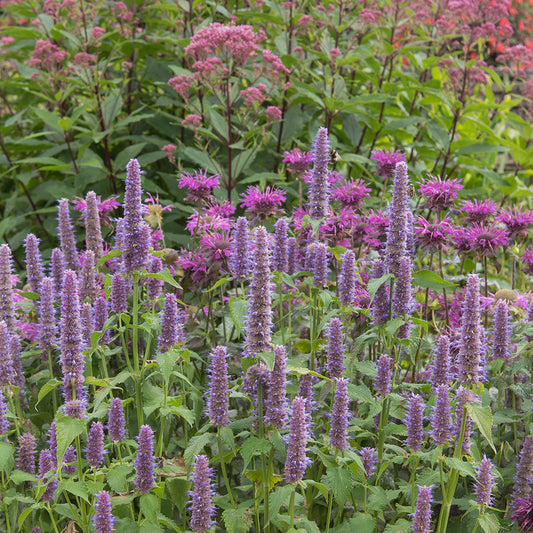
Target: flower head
{"type": "Point", "coordinates": [422, 515]}
{"type": "Point", "coordinates": [414, 420]}
{"type": "Point", "coordinates": [218, 394]}
{"type": "Point", "coordinates": [319, 187]}
{"type": "Point", "coordinates": [433, 235]}
{"type": "Point", "coordinates": [144, 464]}
{"type": "Point", "coordinates": [484, 482]}
{"type": "Point", "coordinates": [265, 202]}
{"type": "Point", "coordinates": [478, 211]}
{"type": "Point", "coordinates": [26, 453]}
{"type": "Point", "coordinates": [486, 238]}
{"type": "Point", "coordinates": [522, 512]}
{"type": "Point", "coordinates": [201, 503]}
{"type": "Point", "coordinates": [440, 193]}
{"type": "Point", "coordinates": [440, 422]}
{"type": "Point", "coordinates": [103, 519]}
{"type": "Point", "coordinates": [276, 403]}
{"type": "Point", "coordinates": [339, 416]}
{"type": "Point", "coordinates": [95, 445]}
{"type": "Point", "coordinates": [297, 161]}
{"type": "Point", "coordinates": [351, 194]}
{"type": "Point", "coordinates": [116, 425]}
{"type": "Point", "coordinates": [200, 186]}
{"type": "Point", "coordinates": [516, 221]}
{"type": "Point", "coordinates": [387, 161]}
{"type": "Point", "coordinates": [368, 455]}
{"type": "Point", "coordinates": [382, 383]}
{"type": "Point", "coordinates": [297, 460]}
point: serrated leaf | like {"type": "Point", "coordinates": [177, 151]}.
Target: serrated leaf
{"type": "Point", "coordinates": [166, 362]}
{"type": "Point", "coordinates": [269, 358]}
{"type": "Point", "coordinates": [220, 282]}
{"type": "Point", "coordinates": [112, 254]}
{"type": "Point", "coordinates": [489, 522]}
{"type": "Point", "coordinates": [375, 283]}
{"type": "Point", "coordinates": [463, 467]}
{"type": "Point", "coordinates": [400, 526]}
{"type": "Point", "coordinates": [46, 388]}
{"type": "Point", "coordinates": [238, 308]}
{"type": "Point", "coordinates": [254, 446]}
{"type": "Point", "coordinates": [6, 456]}
{"type": "Point", "coordinates": [237, 520]}
{"type": "Point", "coordinates": [78, 488]}
{"type": "Point", "coordinates": [67, 429]}
{"type": "Point", "coordinates": [277, 498]}
{"type": "Point", "coordinates": [19, 476]}
{"type": "Point", "coordinates": [196, 445]}
{"type": "Point", "coordinates": [165, 276]}
{"type": "Point", "coordinates": [340, 480]}
{"type": "Point", "coordinates": [431, 280]}
{"type": "Point", "coordinates": [482, 418]}
{"type": "Point", "coordinates": [116, 477]}
{"type": "Point", "coordinates": [149, 507]}
{"type": "Point", "coordinates": [361, 523]}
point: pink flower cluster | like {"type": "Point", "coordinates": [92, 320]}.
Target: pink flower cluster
{"type": "Point", "coordinates": [47, 56]}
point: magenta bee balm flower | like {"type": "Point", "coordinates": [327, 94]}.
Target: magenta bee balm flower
{"type": "Point", "coordinates": [263, 203]}
{"type": "Point", "coordinates": [199, 185]}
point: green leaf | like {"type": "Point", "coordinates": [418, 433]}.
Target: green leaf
{"type": "Point", "coordinates": [463, 467]}
{"type": "Point", "coordinates": [67, 429]}
{"type": "Point", "coordinates": [269, 358]}
{"type": "Point", "coordinates": [340, 480]}
{"type": "Point", "coordinates": [149, 506]}
{"type": "Point", "coordinates": [116, 477]}
{"type": "Point", "coordinates": [18, 476]}
{"type": "Point", "coordinates": [107, 257]}
{"type": "Point", "coordinates": [237, 520]}
{"type": "Point", "coordinates": [23, 516]}
{"type": "Point", "coordinates": [165, 276]}
{"type": "Point", "coordinates": [238, 308]}
{"type": "Point", "coordinates": [78, 488]}
{"type": "Point", "coordinates": [196, 445]}
{"type": "Point", "coordinates": [361, 522]}
{"type": "Point", "coordinates": [400, 526]}
{"type": "Point", "coordinates": [380, 498]}
{"type": "Point", "coordinates": [375, 284]}
{"type": "Point", "coordinates": [220, 282]}
{"type": "Point", "coordinates": [46, 388]}
{"type": "Point", "coordinates": [153, 398]}
{"type": "Point", "coordinates": [489, 522]}
{"type": "Point", "coordinates": [166, 362]}
{"type": "Point", "coordinates": [482, 418]}
{"type": "Point", "coordinates": [430, 280]}
{"type": "Point", "coordinates": [254, 446]}
{"type": "Point", "coordinates": [6, 456]}
{"type": "Point", "coordinates": [277, 498]}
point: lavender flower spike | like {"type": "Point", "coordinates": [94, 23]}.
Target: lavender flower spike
{"type": "Point", "coordinates": [320, 269]}
{"type": "Point", "coordinates": [57, 267]}
{"type": "Point", "coordinates": [119, 297]}
{"type": "Point", "coordinates": [280, 257]}
{"type": "Point", "coordinates": [201, 504]}
{"type": "Point", "coordinates": [440, 423]}
{"type": "Point", "coordinates": [26, 453]}
{"type": "Point", "coordinates": [8, 372]}
{"type": "Point", "coordinates": [319, 188]}
{"type": "Point", "coordinates": [381, 301]}
{"type": "Point", "coordinates": [144, 464]}
{"type": "Point", "coordinates": [292, 256]}
{"type": "Point", "coordinates": [368, 455]}
{"type": "Point", "coordinates": [484, 483]}
{"type": "Point", "coordinates": [7, 305]}
{"type": "Point", "coordinates": [502, 331]}
{"type": "Point", "coordinates": [396, 246]}
{"type": "Point", "coordinates": [339, 417]}
{"type": "Point", "coordinates": [471, 333]}
{"type": "Point", "coordinates": [66, 237]}
{"type": "Point", "coordinates": [169, 324]}
{"type": "Point", "coordinates": [103, 519]}
{"type": "Point", "coordinates": [335, 355]}
{"type": "Point", "coordinates": [422, 515]}
{"type": "Point", "coordinates": [4, 422]}
{"type": "Point", "coordinates": [276, 404]}
{"type": "Point", "coordinates": [95, 445]}
{"type": "Point", "coordinates": [402, 301]}
{"type": "Point", "coordinates": [441, 365]}
{"type": "Point", "coordinates": [93, 229]}
{"type": "Point", "coordinates": [414, 421]}
{"type": "Point", "coordinates": [382, 383]}
{"type": "Point", "coordinates": [116, 425]}
{"type": "Point", "coordinates": [153, 285]}
{"type": "Point", "coordinates": [463, 396]}
{"type": "Point", "coordinates": [347, 279]}
{"type": "Point", "coordinates": [218, 394]}
{"type": "Point", "coordinates": [524, 470]}
{"type": "Point", "coordinates": [46, 463]}
{"type": "Point", "coordinates": [47, 318]}
{"type": "Point", "coordinates": [240, 260]}
{"type": "Point", "coordinates": [34, 267]}
{"type": "Point", "coordinates": [259, 321]}
{"type": "Point", "coordinates": [297, 460]}
{"type": "Point", "coordinates": [88, 286]}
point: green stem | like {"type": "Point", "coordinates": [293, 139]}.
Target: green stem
{"type": "Point", "coordinates": [224, 472]}
{"type": "Point", "coordinates": [291, 506]}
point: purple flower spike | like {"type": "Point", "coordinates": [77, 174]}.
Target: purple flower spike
{"type": "Point", "coordinates": [382, 384]}
{"type": "Point", "coordinates": [297, 459]}
{"type": "Point", "coordinates": [95, 445]}
{"type": "Point", "coordinates": [305, 390]}
{"type": "Point", "coordinates": [523, 512]}
{"type": "Point", "coordinates": [397, 232]}
{"type": "Point", "coordinates": [201, 504]}
{"type": "Point", "coordinates": [402, 301]}
{"type": "Point", "coordinates": [101, 314]}
{"type": "Point", "coordinates": [93, 229]}
{"type": "Point", "coordinates": [103, 519]}
{"type": "Point", "coordinates": [335, 354]}
{"type": "Point", "coordinates": [26, 453]}
{"type": "Point", "coordinates": [144, 464]}
{"type": "Point", "coordinates": [46, 463]}
{"type": "Point", "coordinates": [441, 366]}
{"type": "Point", "coordinates": [319, 188]}
{"type": "Point", "coordinates": [57, 268]}
{"type": "Point", "coordinates": [88, 286]}
{"type": "Point", "coordinates": [7, 305]}
{"type": "Point", "coordinates": [154, 286]}
{"type": "Point", "coordinates": [240, 260]}
{"type": "Point", "coordinates": [280, 259]}
{"type": "Point", "coordinates": [66, 237]}
{"type": "Point", "coordinates": [524, 470]}
{"type": "Point", "coordinates": [347, 279]}
{"type": "Point", "coordinates": [339, 417]}
{"type": "Point", "coordinates": [169, 336]}
{"type": "Point", "coordinates": [502, 331]}
{"type": "Point", "coordinates": [259, 321]}
{"type": "Point", "coordinates": [440, 422]}
{"type": "Point", "coordinates": [7, 367]}
{"type": "Point", "coordinates": [4, 422]}
{"type": "Point", "coordinates": [116, 425]}
{"type": "Point", "coordinates": [470, 339]}
{"type": "Point", "coordinates": [368, 455]}
{"type": "Point", "coordinates": [422, 515]}
{"type": "Point", "coordinates": [218, 394]}
{"type": "Point", "coordinates": [87, 321]}
{"type": "Point", "coordinates": [276, 405]}
{"type": "Point", "coordinates": [70, 461]}
{"type": "Point", "coordinates": [34, 267]}
{"type": "Point", "coordinates": [484, 483]}
{"type": "Point", "coordinates": [293, 263]}
{"type": "Point", "coordinates": [321, 265]}
{"type": "Point", "coordinates": [381, 301]}
{"type": "Point", "coordinates": [47, 318]}
{"type": "Point", "coordinates": [414, 421]}
{"type": "Point", "coordinates": [71, 357]}
{"type": "Point", "coordinates": [119, 297]}
{"type": "Point", "coordinates": [463, 396]}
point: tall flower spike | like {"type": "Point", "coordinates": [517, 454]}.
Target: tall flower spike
{"type": "Point", "coordinates": [368, 455]}
{"type": "Point", "coordinates": [293, 264]}
{"type": "Point", "coordinates": [88, 287]}
{"type": "Point", "coordinates": [116, 425]}
{"type": "Point", "coordinates": [276, 404]}
{"type": "Point", "coordinates": [381, 301]}
{"type": "Point", "coordinates": [402, 301]}
{"type": "Point", "coordinates": [502, 331]}
{"type": "Point", "coordinates": [7, 305]}
{"type": "Point", "coordinates": [71, 357]}
{"type": "Point", "coordinates": [15, 350]}
{"type": "Point", "coordinates": [46, 464]}
{"type": "Point", "coordinates": [239, 259]}
{"type": "Point", "coordinates": [169, 336]}
{"type": "Point", "coordinates": [319, 188]}
{"type": "Point", "coordinates": [297, 460]}
{"type": "Point", "coordinates": [321, 265]}
{"type": "Point", "coordinates": [218, 393]}
{"type": "Point", "coordinates": [259, 321]}
{"type": "Point", "coordinates": [103, 520]}
{"type": "Point", "coordinates": [463, 396]}
{"type": "Point", "coordinates": [34, 267]}
{"type": "Point", "coordinates": [95, 445]}
{"type": "Point", "coordinates": [440, 422]}
{"type": "Point", "coordinates": [347, 279]}
{"type": "Point", "coordinates": [257, 380]}
{"type": "Point", "coordinates": [144, 464]}
{"type": "Point", "coordinates": [422, 515]}
{"type": "Point", "coordinates": [484, 483]}
{"type": "Point", "coordinates": [93, 229]}
{"type": "Point", "coordinates": [338, 433]}
{"type": "Point", "coordinates": [101, 314]}
{"type": "Point", "coordinates": [4, 422]}
{"type": "Point", "coordinates": [335, 355]}
{"type": "Point", "coordinates": [87, 323]}
{"type": "Point", "coordinates": [47, 317]}
{"type": "Point", "coordinates": [470, 337]}
{"type": "Point", "coordinates": [153, 285]}
{"type": "Point", "coordinates": [305, 391]}
{"type": "Point", "coordinates": [201, 503]}
{"type": "Point", "coordinates": [280, 258]}
{"type": "Point", "coordinates": [396, 247]}
{"type": "Point", "coordinates": [524, 470]}
{"type": "Point", "coordinates": [119, 297]}
{"type": "Point", "coordinates": [134, 245]}
{"type": "Point", "coordinates": [441, 365]}
{"type": "Point", "coordinates": [57, 268]}
{"type": "Point", "coordinates": [66, 237]}
{"type": "Point", "coordinates": [7, 367]}
{"type": "Point", "coordinates": [414, 423]}
{"type": "Point", "coordinates": [382, 383]}
{"type": "Point", "coordinates": [26, 453]}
